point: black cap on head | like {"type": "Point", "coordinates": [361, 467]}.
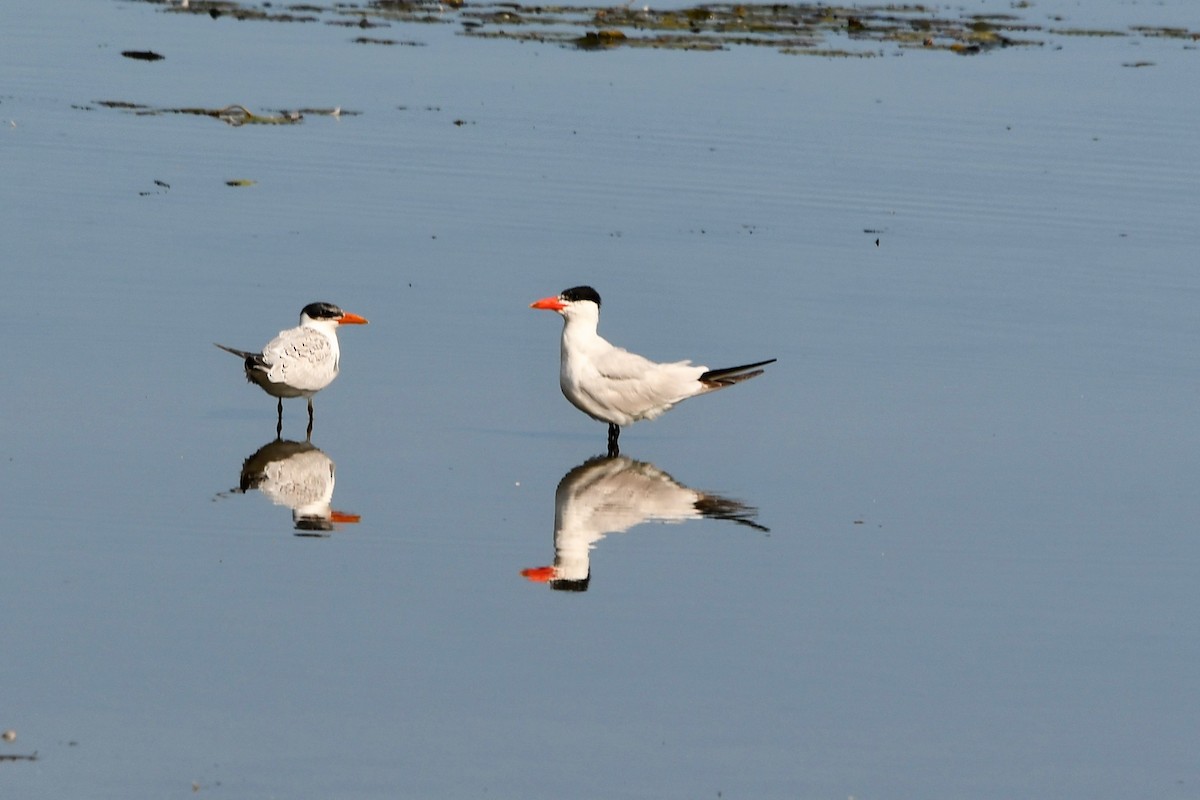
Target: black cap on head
{"type": "Point", "coordinates": [576, 293]}
{"type": "Point", "coordinates": [322, 311]}
{"type": "Point", "coordinates": [312, 523]}
{"type": "Point", "coordinates": [571, 584]}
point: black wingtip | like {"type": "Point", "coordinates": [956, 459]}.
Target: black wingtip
{"type": "Point", "coordinates": [251, 360]}
{"type": "Point", "coordinates": [235, 351]}
{"type": "Point", "coordinates": [716, 507]}
{"type": "Point", "coordinates": [730, 375]}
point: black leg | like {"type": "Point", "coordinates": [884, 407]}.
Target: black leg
{"type": "Point", "coordinates": [309, 434]}
{"type": "Point", "coordinates": [613, 433]}
{"type": "Point", "coordinates": [279, 420]}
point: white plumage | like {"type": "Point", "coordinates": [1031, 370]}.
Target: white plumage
{"type": "Point", "coordinates": [613, 385]}
{"type": "Point", "coordinates": [299, 476]}
{"type": "Point", "coordinates": [611, 495]}
{"type": "Point", "coordinates": [300, 361]}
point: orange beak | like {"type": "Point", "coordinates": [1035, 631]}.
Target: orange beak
{"type": "Point", "coordinates": [342, 516]}
{"type": "Point", "coordinates": [549, 304]}
{"type": "Point", "coordinates": [539, 574]}
{"type": "Point", "coordinates": [352, 319]}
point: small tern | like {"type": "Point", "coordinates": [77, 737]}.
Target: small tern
{"type": "Point", "coordinates": [297, 475]}
{"type": "Point", "coordinates": [613, 385]}
{"type": "Point", "coordinates": [300, 361]}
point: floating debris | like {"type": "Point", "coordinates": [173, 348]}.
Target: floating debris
{"type": "Point", "coordinates": [160, 184]}
{"type": "Point", "coordinates": [239, 115]}
{"type": "Point", "coordinates": [120, 104]}
{"type": "Point", "coordinates": [604, 38]}
{"type": "Point", "coordinates": [1086, 32]}
{"type": "Point", "coordinates": [362, 22]}
{"type": "Point", "coordinates": [828, 31]}
{"type": "Point", "coordinates": [242, 13]}
{"type": "Point", "coordinates": [793, 29]}
{"type": "Point", "coordinates": [142, 55]}
{"type": "Point", "coordinates": [240, 182]}
{"type": "Point", "coordinates": [1166, 33]}
{"type": "Point", "coordinates": [235, 115]}
{"type": "Point", "coordinates": [397, 42]}
{"type": "Point", "coordinates": [336, 111]}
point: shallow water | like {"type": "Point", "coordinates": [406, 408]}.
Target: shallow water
{"type": "Point", "coordinates": [975, 455]}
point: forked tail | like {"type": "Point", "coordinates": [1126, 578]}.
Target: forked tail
{"type": "Point", "coordinates": [720, 378]}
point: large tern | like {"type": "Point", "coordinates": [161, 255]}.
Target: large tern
{"type": "Point", "coordinates": [611, 495]}
{"type": "Point", "coordinates": [300, 361]}
{"type": "Point", "coordinates": [613, 385]}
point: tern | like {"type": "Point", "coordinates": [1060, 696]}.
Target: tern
{"type": "Point", "coordinates": [613, 385]}
{"type": "Point", "coordinates": [297, 475]}
{"type": "Point", "coordinates": [607, 495]}
{"type": "Point", "coordinates": [300, 361]}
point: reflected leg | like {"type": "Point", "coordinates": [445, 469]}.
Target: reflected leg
{"type": "Point", "coordinates": [308, 435]}
{"type": "Point", "coordinates": [613, 433]}
{"type": "Point", "coordinates": [279, 420]}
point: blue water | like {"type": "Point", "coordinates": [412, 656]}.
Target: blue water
{"type": "Point", "coordinates": [975, 455]}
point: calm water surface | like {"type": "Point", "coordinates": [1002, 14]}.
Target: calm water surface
{"type": "Point", "coordinates": [976, 455]}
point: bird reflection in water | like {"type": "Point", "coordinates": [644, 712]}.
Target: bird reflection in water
{"type": "Point", "coordinates": [300, 476]}
{"type": "Point", "coordinates": [611, 495]}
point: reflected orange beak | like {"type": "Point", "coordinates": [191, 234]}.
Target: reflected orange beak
{"type": "Point", "coordinates": [352, 319]}
{"type": "Point", "coordinates": [539, 574]}
{"type": "Point", "coordinates": [549, 304]}
{"type": "Point", "coordinates": [342, 516]}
